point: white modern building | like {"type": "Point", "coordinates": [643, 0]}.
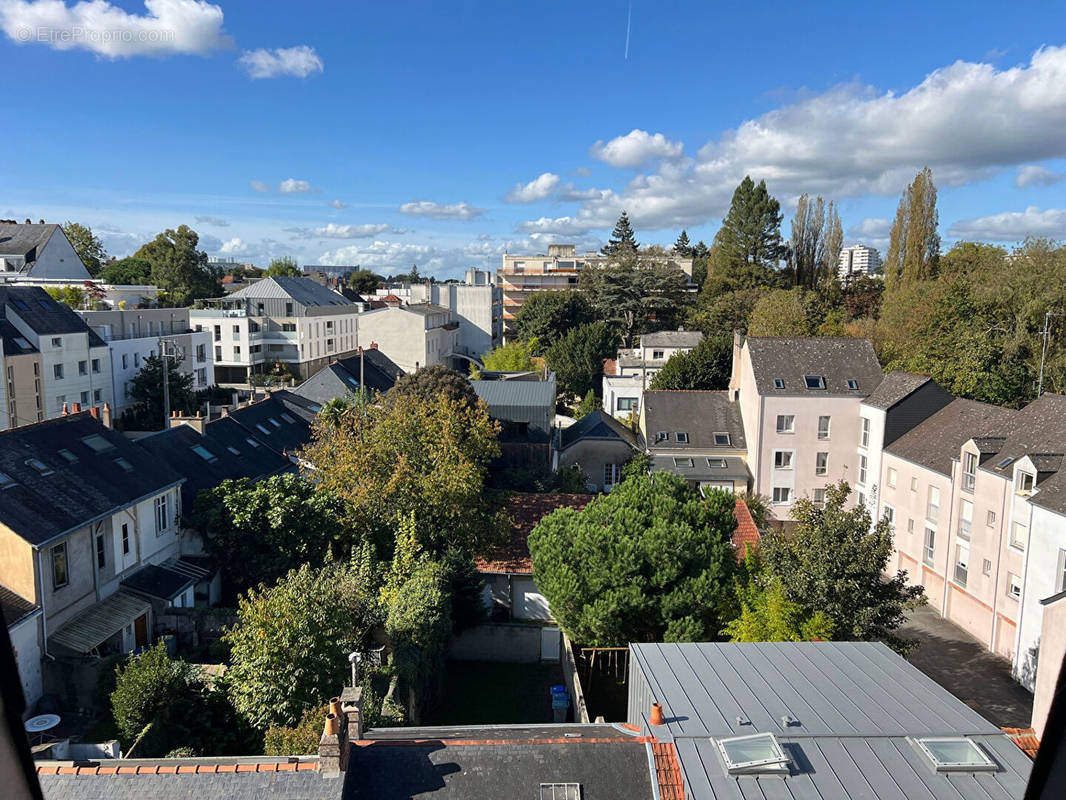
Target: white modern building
{"type": "Point", "coordinates": [858, 261]}
{"type": "Point", "coordinates": [626, 377]}
{"type": "Point", "coordinates": [294, 322]}
{"type": "Point", "coordinates": [476, 304]}
{"type": "Point", "coordinates": [413, 336]}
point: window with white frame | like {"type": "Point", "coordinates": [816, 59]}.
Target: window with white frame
{"type": "Point", "coordinates": [929, 547]}
{"type": "Point", "coordinates": [969, 471]}
{"type": "Point", "coordinates": [1019, 532]}
{"type": "Point", "coordinates": [786, 423]}
{"type": "Point", "coordinates": [823, 426]}
{"type": "Point", "coordinates": [819, 497]}
{"type": "Point", "coordinates": [891, 478]}
{"type": "Point", "coordinates": [782, 459]}
{"type": "Point", "coordinates": [1060, 573]}
{"type": "Point", "coordinates": [782, 495]}
{"type": "Point", "coordinates": [889, 515]}
{"type": "Point", "coordinates": [910, 525]}
{"type": "Point", "coordinates": [914, 484]}
{"type": "Point", "coordinates": [865, 440]}
{"type": "Point", "coordinates": [861, 500]}
{"type": "Point", "coordinates": [986, 567]}
{"type": "Point", "coordinates": [60, 574]}
{"type": "Point", "coordinates": [864, 465]}
{"type": "Point", "coordinates": [684, 463]}
{"type": "Point", "coordinates": [965, 519]}
{"type": "Point", "coordinates": [611, 474]}
{"type": "Point", "coordinates": [125, 538]}
{"type": "Point", "coordinates": [1014, 585]}
{"type": "Point", "coordinates": [990, 519]}
{"type": "Point", "coordinates": [721, 440]}
{"type": "Point", "coordinates": [962, 561]}
{"type": "Point", "coordinates": [1024, 483]}
{"type": "Point", "coordinates": [932, 505]}
{"type": "Point", "coordinates": [821, 463]}
{"type": "Point", "coordinates": [162, 515]}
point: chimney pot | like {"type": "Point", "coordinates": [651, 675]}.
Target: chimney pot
{"type": "Point", "coordinates": [332, 726]}
{"type": "Point", "coordinates": [65, 410]}
{"type": "Point", "coordinates": [95, 411]}
{"type": "Point", "coordinates": [657, 714]}
{"type": "Point", "coordinates": [75, 408]}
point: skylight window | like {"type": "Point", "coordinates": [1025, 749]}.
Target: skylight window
{"type": "Point", "coordinates": [204, 453]}
{"type": "Point", "coordinates": [722, 440]}
{"type": "Point", "coordinates": [682, 437]}
{"type": "Point", "coordinates": [316, 408]}
{"type": "Point", "coordinates": [814, 381]}
{"type": "Point", "coordinates": [253, 442]}
{"type": "Point", "coordinates": [263, 430]}
{"type": "Point", "coordinates": [1005, 462]}
{"type": "Point", "coordinates": [6, 481]}
{"type": "Point", "coordinates": [716, 463]}
{"type": "Point", "coordinates": [233, 450]}
{"type": "Point", "coordinates": [779, 383]}
{"type": "Point", "coordinates": [852, 384]}
{"type": "Point", "coordinates": [759, 754]}
{"type": "Point", "coordinates": [288, 419]}
{"type": "Point", "coordinates": [19, 304]}
{"type": "Point", "coordinates": [126, 465]}
{"type": "Point", "coordinates": [274, 422]}
{"type": "Point", "coordinates": [560, 791]}
{"type": "Point", "coordinates": [683, 462]}
{"type": "Point", "coordinates": [662, 436]}
{"type": "Point", "coordinates": [38, 465]}
{"type": "Point", "coordinates": [69, 456]}
{"type": "Point", "coordinates": [956, 755]}
{"type": "Point", "coordinates": [22, 343]}
{"type": "Point", "coordinates": [97, 443]}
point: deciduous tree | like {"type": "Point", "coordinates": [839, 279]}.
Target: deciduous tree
{"type": "Point", "coordinates": [914, 243]}
{"type": "Point", "coordinates": [87, 245]}
{"type": "Point", "coordinates": [650, 562]}
{"type": "Point", "coordinates": [285, 267]}
{"type": "Point", "coordinates": [786, 312]}
{"type": "Point", "coordinates": [127, 272]}
{"type": "Point", "coordinates": [515, 356]}
{"type": "Point", "coordinates": [577, 358]}
{"type": "Point", "coordinates": [545, 316]}
{"type": "Point", "coordinates": [179, 267]}
{"type": "Point", "coordinates": [707, 366]}
{"type": "Point", "coordinates": [430, 382]}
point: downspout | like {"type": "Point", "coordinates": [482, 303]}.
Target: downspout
{"type": "Point", "coordinates": [949, 574]}
{"type": "Point", "coordinates": [39, 580]}
{"type": "Point", "coordinates": [999, 564]}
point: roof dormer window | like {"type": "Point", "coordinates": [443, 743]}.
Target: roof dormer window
{"type": "Point", "coordinates": [853, 384]}
{"type": "Point", "coordinates": [38, 465]}
{"type": "Point", "coordinates": [814, 381]}
{"type": "Point", "coordinates": [779, 383]}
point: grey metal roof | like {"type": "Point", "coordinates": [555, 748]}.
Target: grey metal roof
{"type": "Point", "coordinates": [836, 359]}
{"type": "Point", "coordinates": [425, 309]}
{"type": "Point", "coordinates": [302, 785]}
{"type": "Point", "coordinates": [700, 414]}
{"type": "Point", "coordinates": [852, 707]}
{"type": "Point", "coordinates": [67, 495]}
{"type": "Point", "coordinates": [500, 394]}
{"type": "Point", "coordinates": [99, 622]}
{"type": "Point", "coordinates": [301, 290]}
{"type": "Point", "coordinates": [735, 468]}
{"type": "Point", "coordinates": [158, 581]}
{"type": "Point", "coordinates": [940, 437]}
{"type": "Point", "coordinates": [671, 339]}
{"type": "Point", "coordinates": [895, 387]}
{"type": "Point", "coordinates": [13, 607]}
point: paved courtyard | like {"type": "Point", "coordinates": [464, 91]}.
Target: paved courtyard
{"type": "Point", "coordinates": [960, 664]}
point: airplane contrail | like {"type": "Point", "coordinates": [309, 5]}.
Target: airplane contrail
{"type": "Point", "coordinates": [629, 22]}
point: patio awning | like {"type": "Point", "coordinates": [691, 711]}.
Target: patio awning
{"type": "Point", "coordinates": [158, 581]}
{"type": "Point", "coordinates": [95, 625]}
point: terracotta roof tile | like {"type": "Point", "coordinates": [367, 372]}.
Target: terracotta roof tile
{"type": "Point", "coordinates": [747, 533]}
{"type": "Point", "coordinates": [1025, 738]}
{"type": "Point", "coordinates": [668, 771]}
{"type": "Point", "coordinates": [526, 509]}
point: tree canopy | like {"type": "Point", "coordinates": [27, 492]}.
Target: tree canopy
{"type": "Point", "coordinates": [179, 267]}
{"type": "Point", "coordinates": [285, 267]}
{"type": "Point", "coordinates": [786, 312]}
{"type": "Point", "coordinates": [430, 382]}
{"type": "Point", "coordinates": [515, 356]}
{"type": "Point", "coordinates": [623, 241]}
{"type": "Point", "coordinates": [577, 357]}
{"type": "Point", "coordinates": [707, 366]}
{"type": "Point", "coordinates": [127, 272]}
{"type": "Point", "coordinates": [363, 281]}
{"type": "Point", "coordinates": [747, 248]}
{"type": "Point", "coordinates": [636, 296]}
{"type": "Point", "coordinates": [834, 562]}
{"type": "Point", "coordinates": [914, 242]}
{"type": "Point", "coordinates": [87, 245]}
{"type": "Point", "coordinates": [649, 562]}
{"type": "Point", "coordinates": [146, 389]}
{"type": "Point", "coordinates": [545, 316]}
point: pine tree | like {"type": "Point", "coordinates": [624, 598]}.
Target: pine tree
{"type": "Point", "coordinates": [914, 243]}
{"type": "Point", "coordinates": [682, 246]}
{"type": "Point", "coordinates": [748, 247]}
{"type": "Point", "coordinates": [623, 241]}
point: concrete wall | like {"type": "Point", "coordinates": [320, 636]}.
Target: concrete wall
{"type": "Point", "coordinates": [498, 641]}
{"type": "Point", "coordinates": [58, 259]}
{"type": "Point", "coordinates": [1047, 539]}
{"type": "Point", "coordinates": [25, 640]}
{"type": "Point", "coordinates": [17, 570]}
{"type": "Point", "coordinates": [1053, 649]}
{"type": "Point", "coordinates": [404, 338]}
{"type": "Point", "coordinates": [529, 603]}
{"type": "Point", "coordinates": [22, 389]}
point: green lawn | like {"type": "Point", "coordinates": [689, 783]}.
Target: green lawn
{"type": "Point", "coordinates": [493, 693]}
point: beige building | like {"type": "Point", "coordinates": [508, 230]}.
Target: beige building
{"type": "Point", "coordinates": [557, 270]}
{"type": "Point", "coordinates": [413, 336]}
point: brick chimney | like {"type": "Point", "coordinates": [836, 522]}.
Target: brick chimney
{"type": "Point", "coordinates": [343, 725]}
{"type": "Point", "coordinates": [195, 422]}
{"type": "Point", "coordinates": [105, 415]}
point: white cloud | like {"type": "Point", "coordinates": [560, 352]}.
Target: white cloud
{"type": "Point", "coordinates": [1013, 226]}
{"type": "Point", "coordinates": [337, 204]}
{"type": "Point", "coordinates": [259, 186]}
{"type": "Point", "coordinates": [635, 148]}
{"type": "Point", "coordinates": [293, 186]}
{"type": "Point", "coordinates": [1033, 175]}
{"type": "Point", "coordinates": [457, 211]}
{"type": "Point", "coordinates": [332, 231]}
{"type": "Point", "coordinates": [299, 61]}
{"type": "Point", "coordinates": [539, 188]}
{"type": "Point", "coordinates": [217, 222]}
{"type": "Point", "coordinates": [233, 247]}
{"type": "Point", "coordinates": [170, 27]}
{"type": "Point", "coordinates": [870, 228]}
{"type": "Point", "coordinates": [966, 121]}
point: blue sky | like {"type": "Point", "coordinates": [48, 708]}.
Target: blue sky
{"type": "Point", "coordinates": [386, 134]}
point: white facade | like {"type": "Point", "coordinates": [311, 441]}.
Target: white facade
{"type": "Point", "coordinates": [411, 336]}
{"type": "Point", "coordinates": [622, 395]}
{"type": "Point", "coordinates": [477, 308]}
{"type": "Point", "coordinates": [73, 372]}
{"type": "Point", "coordinates": [25, 641]}
{"type": "Point", "coordinates": [858, 260]}
{"type": "Point", "coordinates": [1045, 576]}
{"type": "Point", "coordinates": [55, 257]}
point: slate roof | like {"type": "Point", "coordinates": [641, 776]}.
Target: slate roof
{"type": "Point", "coordinates": [939, 438]}
{"type": "Point", "coordinates": [13, 607]}
{"type": "Point", "coordinates": [256, 461]}
{"type": "Point", "coordinates": [896, 386]}
{"type": "Point", "coordinates": [374, 358]}
{"type": "Point", "coordinates": [342, 377]}
{"type": "Point", "coordinates": [671, 339]}
{"type": "Point", "coordinates": [847, 733]}
{"type": "Point", "coordinates": [735, 468]}
{"type": "Point", "coordinates": [526, 510]}
{"type": "Point", "coordinates": [40, 507]}
{"type": "Point", "coordinates": [304, 291]}
{"type": "Point", "coordinates": [157, 581]}
{"type": "Point", "coordinates": [700, 414]}
{"type": "Point", "coordinates": [836, 359]}
{"type": "Point", "coordinates": [272, 422]}
{"type": "Point", "coordinates": [36, 308]}
{"type": "Point", "coordinates": [1039, 432]}
{"type": "Point", "coordinates": [597, 425]}
{"type": "Point", "coordinates": [26, 240]}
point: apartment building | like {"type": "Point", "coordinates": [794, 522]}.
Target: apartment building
{"type": "Point", "coordinates": [83, 513]}
{"type": "Point", "coordinates": [294, 322]}
{"type": "Point", "coordinates": [627, 376]}
{"type": "Point", "coordinates": [858, 261]}
{"type": "Point", "coordinates": [51, 358]}
{"type": "Point", "coordinates": [476, 304]}
{"type": "Point", "coordinates": [134, 335]}
{"type": "Point", "coordinates": [699, 436]}
{"type": "Point", "coordinates": [413, 336]}
{"type": "Point", "coordinates": [557, 270]}
{"type": "Point", "coordinates": [974, 495]}
{"type": "Point", "coordinates": [799, 399]}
